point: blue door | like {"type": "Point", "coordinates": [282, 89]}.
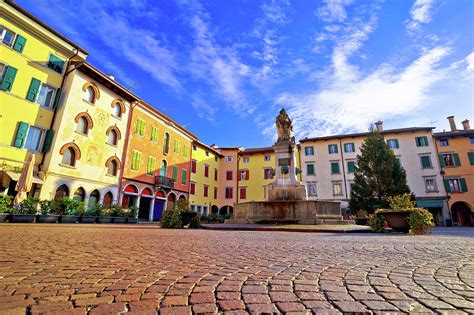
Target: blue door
{"type": "Point", "coordinates": [158, 210]}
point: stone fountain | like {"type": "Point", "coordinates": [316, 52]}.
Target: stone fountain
{"type": "Point", "coordinates": [286, 199]}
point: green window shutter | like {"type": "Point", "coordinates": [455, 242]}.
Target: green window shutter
{"type": "Point", "coordinates": [425, 161]}
{"type": "Point", "coordinates": [462, 183]}
{"type": "Point", "coordinates": [154, 134]}
{"type": "Point", "coordinates": [136, 160]}
{"type": "Point", "coordinates": [21, 134]}
{"type": "Point", "coordinates": [457, 161]}
{"type": "Point", "coordinates": [441, 160]}
{"type": "Point", "coordinates": [334, 168]}
{"type": "Point", "coordinates": [184, 175]}
{"type": "Point", "coordinates": [471, 157]}
{"type": "Point", "coordinates": [57, 97]}
{"type": "Point", "coordinates": [425, 140]}
{"type": "Point", "coordinates": [353, 147]}
{"type": "Point", "coordinates": [48, 140]}
{"type": "Point", "coordinates": [310, 169]}
{"type": "Point", "coordinates": [175, 173]}
{"type": "Point", "coordinates": [397, 146]}
{"type": "Point", "coordinates": [446, 185]}
{"type": "Point", "coordinates": [142, 128]}
{"type": "Point", "coordinates": [418, 142]}
{"type": "Point", "coordinates": [8, 79]}
{"type": "Point", "coordinates": [33, 90]}
{"type": "Point", "coordinates": [19, 44]}
{"type": "Point", "coordinates": [58, 63]}
{"type": "Point", "coordinates": [351, 167]}
{"type": "Point", "coordinates": [150, 168]}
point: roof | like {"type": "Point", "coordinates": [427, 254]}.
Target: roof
{"type": "Point", "coordinates": [457, 133]}
{"type": "Point", "coordinates": [43, 24]}
{"type": "Point", "coordinates": [208, 148]}
{"type": "Point", "coordinates": [257, 150]}
{"type": "Point", "coordinates": [364, 134]}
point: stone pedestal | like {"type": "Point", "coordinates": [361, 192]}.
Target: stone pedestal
{"type": "Point", "coordinates": [289, 192]}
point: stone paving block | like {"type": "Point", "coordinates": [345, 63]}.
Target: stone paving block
{"type": "Point", "coordinates": [380, 306]}
{"type": "Point", "coordinates": [94, 301]}
{"type": "Point", "coordinates": [283, 297]}
{"type": "Point", "coordinates": [351, 307]}
{"type": "Point", "coordinates": [256, 298]}
{"type": "Point", "coordinates": [114, 308]}
{"type": "Point", "coordinates": [228, 305]}
{"type": "Point", "coordinates": [178, 310]}
{"type": "Point", "coordinates": [287, 307]}
{"type": "Point", "coordinates": [176, 300]}
{"type": "Point", "coordinates": [205, 308]}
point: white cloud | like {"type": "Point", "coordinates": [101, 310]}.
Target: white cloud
{"type": "Point", "coordinates": [333, 10]}
{"type": "Point", "coordinates": [470, 62]}
{"type": "Point", "coordinates": [420, 13]}
{"type": "Point", "coordinates": [203, 108]}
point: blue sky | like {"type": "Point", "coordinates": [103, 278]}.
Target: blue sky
{"type": "Point", "coordinates": [223, 68]}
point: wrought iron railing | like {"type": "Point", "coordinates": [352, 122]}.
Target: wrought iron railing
{"type": "Point", "coordinates": [164, 181]}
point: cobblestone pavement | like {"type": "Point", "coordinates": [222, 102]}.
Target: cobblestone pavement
{"type": "Point", "coordinates": [144, 270]}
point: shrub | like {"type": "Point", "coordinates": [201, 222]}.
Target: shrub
{"type": "Point", "coordinates": [69, 206]}
{"type": "Point", "coordinates": [28, 206]}
{"type": "Point", "coordinates": [362, 214]}
{"type": "Point", "coordinates": [420, 221]}
{"type": "Point", "coordinates": [195, 222]}
{"type": "Point", "coordinates": [49, 207]}
{"type": "Point", "coordinates": [5, 202]}
{"type": "Point", "coordinates": [401, 202]}
{"type": "Point", "coordinates": [117, 211]}
{"type": "Point", "coordinates": [377, 223]}
{"type": "Point", "coordinates": [214, 217]}
{"type": "Point", "coordinates": [228, 216]}
{"type": "Point", "coordinates": [182, 205]}
{"type": "Point", "coordinates": [96, 210]}
{"type": "Point", "coordinates": [131, 212]}
{"type": "Point", "coordinates": [171, 220]}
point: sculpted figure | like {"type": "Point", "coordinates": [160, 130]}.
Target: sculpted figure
{"type": "Point", "coordinates": [284, 126]}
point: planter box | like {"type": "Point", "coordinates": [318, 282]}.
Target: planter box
{"type": "Point", "coordinates": [69, 219]}
{"type": "Point", "coordinates": [46, 218]}
{"type": "Point", "coordinates": [119, 220]}
{"type": "Point", "coordinates": [398, 220]}
{"type": "Point", "coordinates": [362, 221]}
{"type": "Point", "coordinates": [88, 219]}
{"type": "Point", "coordinates": [22, 218]}
{"type": "Point", "coordinates": [4, 217]}
{"type": "Point", "coordinates": [105, 220]}
{"type": "Point", "coordinates": [132, 220]}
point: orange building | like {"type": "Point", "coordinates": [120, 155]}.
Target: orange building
{"type": "Point", "coordinates": [156, 170]}
{"type": "Point", "coordinates": [456, 156]}
{"type": "Point", "coordinates": [228, 170]}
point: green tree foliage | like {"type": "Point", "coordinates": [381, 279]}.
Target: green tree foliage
{"type": "Point", "coordinates": [378, 175]}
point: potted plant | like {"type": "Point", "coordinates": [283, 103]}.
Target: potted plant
{"type": "Point", "coordinates": [71, 210]}
{"type": "Point", "coordinates": [362, 217]}
{"type": "Point", "coordinates": [25, 212]}
{"type": "Point", "coordinates": [105, 215]}
{"type": "Point", "coordinates": [91, 214]}
{"type": "Point", "coordinates": [171, 219]}
{"type": "Point", "coordinates": [131, 214]}
{"type": "Point", "coordinates": [49, 212]}
{"type": "Point", "coordinates": [5, 210]}
{"type": "Point", "coordinates": [118, 214]}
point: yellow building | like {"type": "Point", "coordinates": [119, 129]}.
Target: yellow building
{"type": "Point", "coordinates": [33, 62]}
{"type": "Point", "coordinates": [204, 185]}
{"type": "Point", "coordinates": [87, 149]}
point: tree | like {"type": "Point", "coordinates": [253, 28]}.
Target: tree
{"type": "Point", "coordinates": [378, 175]}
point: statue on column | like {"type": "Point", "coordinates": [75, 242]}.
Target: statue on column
{"type": "Point", "coordinates": [284, 126]}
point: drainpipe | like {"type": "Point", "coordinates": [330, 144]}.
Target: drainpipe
{"type": "Point", "coordinates": [443, 174]}
{"type": "Point", "coordinates": [343, 169]}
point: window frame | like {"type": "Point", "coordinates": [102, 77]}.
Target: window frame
{"type": "Point", "coordinates": [444, 140]}
{"type": "Point", "coordinates": [309, 151]}
{"type": "Point", "coordinates": [55, 90]}
{"type": "Point", "coordinates": [351, 145]}
{"type": "Point", "coordinates": [244, 190]}
{"type": "Point", "coordinates": [62, 69]}
{"type": "Point", "coordinates": [245, 159]}
{"type": "Point", "coordinates": [312, 184]}
{"type": "Point", "coordinates": [2, 36]}
{"type": "Point", "coordinates": [339, 183]}
{"type": "Point", "coordinates": [307, 169]}
{"type": "Point", "coordinates": [336, 151]}
{"type": "Point", "coordinates": [435, 184]}
{"type": "Point", "coordinates": [429, 160]}
{"type": "Point", "coordinates": [227, 175]}
{"type": "Point", "coordinates": [40, 141]}
{"type": "Point", "coordinates": [231, 190]}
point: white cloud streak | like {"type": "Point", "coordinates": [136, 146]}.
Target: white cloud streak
{"type": "Point", "coordinates": [420, 13]}
{"type": "Point", "coordinates": [333, 10]}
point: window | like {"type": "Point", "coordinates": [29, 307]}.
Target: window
{"type": "Point", "coordinates": [351, 167]}
{"type": "Point", "coordinates": [310, 169]}
{"type": "Point", "coordinates": [176, 146]}
{"type": "Point", "coordinates": [206, 170]}
{"type": "Point", "coordinates": [267, 173]}
{"type": "Point", "coordinates": [174, 173]}
{"type": "Point", "coordinates": [267, 158]}
{"type": "Point", "coordinates": [8, 77]}
{"type": "Point", "coordinates": [229, 193]}
{"type": "Point", "coordinates": [246, 159]}
{"type": "Point", "coordinates": [215, 192]}
{"type": "Point", "coordinates": [332, 148]}
{"type": "Point", "coordinates": [430, 184]}
{"type": "Point", "coordinates": [471, 140]}
{"type": "Point", "coordinates": [112, 168]}
{"type": "Point", "coordinates": [112, 137]}
{"type": "Point", "coordinates": [336, 188]}
{"type": "Point", "coordinates": [136, 157]}
{"type": "Point", "coordinates": [194, 148]}
{"type": "Point", "coordinates": [443, 142]}
{"type": "Point", "coordinates": [140, 129]}
{"type": "Point", "coordinates": [311, 186]}
{"type": "Point", "coordinates": [308, 151]}
{"type": "Point", "coordinates": [243, 192]}
{"type": "Point", "coordinates": [55, 63]}
{"type": "Point", "coordinates": [215, 174]}
{"type": "Point", "coordinates": [192, 188]}
{"type": "Point", "coordinates": [244, 175]}
{"type": "Point", "coordinates": [34, 139]}
{"type": "Point", "coordinates": [82, 126]}
{"type": "Point", "coordinates": [421, 141]}
{"type": "Point", "coordinates": [207, 153]}
{"type": "Point", "coordinates": [193, 166]}
{"type": "Point", "coordinates": [449, 159]}
{"type": "Point", "coordinates": [335, 168]}
{"type": "Point", "coordinates": [6, 36]}
{"type": "Point", "coordinates": [229, 159]}
{"type": "Point", "coordinates": [154, 134]}
{"type": "Point", "coordinates": [184, 177]}
{"type": "Point", "coordinates": [349, 147]}
{"type": "Point", "coordinates": [89, 95]}
{"type": "Point", "coordinates": [470, 156]}
{"type": "Point", "coordinates": [150, 166]}
{"type": "Point", "coordinates": [69, 157]}
{"type": "Point", "coordinates": [166, 143]}
{"type": "Point", "coordinates": [163, 168]}
{"type": "Point", "coordinates": [46, 96]}
{"type": "Point", "coordinates": [185, 150]}
{"type": "Point", "coordinates": [426, 161]}
{"type": "Point", "coordinates": [393, 143]}
{"type": "Point", "coordinates": [117, 110]}
{"type": "Point", "coordinates": [455, 185]}
{"type": "Point", "coordinates": [229, 175]}
{"type": "Point", "coordinates": [206, 191]}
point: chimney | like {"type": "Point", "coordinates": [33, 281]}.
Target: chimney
{"type": "Point", "coordinates": [111, 76]}
{"type": "Point", "coordinates": [452, 123]}
{"type": "Point", "coordinates": [379, 125]}
{"type": "Point", "coordinates": [465, 124]}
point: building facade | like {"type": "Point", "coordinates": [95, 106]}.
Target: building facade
{"type": "Point", "coordinates": [328, 165]}
{"type": "Point", "coordinates": [33, 63]}
{"type": "Point", "coordinates": [456, 157]}
{"type": "Point", "coordinates": [228, 168]}
{"type": "Point", "coordinates": [157, 163]}
{"type": "Point", "coordinates": [85, 158]}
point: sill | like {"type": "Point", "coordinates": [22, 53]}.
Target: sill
{"type": "Point", "coordinates": [117, 117]}
{"type": "Point", "coordinates": [149, 175]}
{"type": "Point", "coordinates": [110, 175]}
{"type": "Point", "coordinates": [432, 191]}
{"type": "Point", "coordinates": [427, 168]}
{"type": "Point", "coordinates": [81, 133]}
{"type": "Point", "coordinates": [90, 103]}
{"type": "Point", "coordinates": [335, 173]}
{"type": "Point", "coordinates": [67, 166]}
{"type": "Point", "coordinates": [112, 145]}
{"type": "Point", "coordinates": [46, 107]}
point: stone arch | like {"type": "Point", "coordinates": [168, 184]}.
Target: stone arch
{"type": "Point", "coordinates": [79, 194]}
{"type": "Point", "coordinates": [108, 199]}
{"type": "Point", "coordinates": [120, 103]}
{"type": "Point", "coordinates": [61, 192]}
{"type": "Point", "coordinates": [214, 209]}
{"type": "Point", "coordinates": [130, 188]}
{"type": "Point", "coordinates": [94, 87]}
{"type": "Point", "coordinates": [462, 213]}
{"type": "Point", "coordinates": [90, 122]}
{"type": "Point", "coordinates": [117, 131]}
{"type": "Point", "coordinates": [73, 146]}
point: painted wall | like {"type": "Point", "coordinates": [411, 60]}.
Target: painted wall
{"type": "Point", "coordinates": [226, 165]}
{"type": "Point", "coordinates": [256, 181]}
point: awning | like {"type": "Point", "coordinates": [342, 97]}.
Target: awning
{"type": "Point", "coordinates": [434, 203]}
{"type": "Point", "coordinates": [16, 176]}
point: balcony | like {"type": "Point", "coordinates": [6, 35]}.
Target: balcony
{"type": "Point", "coordinates": [164, 182]}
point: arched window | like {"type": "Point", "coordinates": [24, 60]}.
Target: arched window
{"type": "Point", "coordinates": [69, 157]}
{"type": "Point", "coordinates": [116, 110]}
{"type": "Point", "coordinates": [94, 198]}
{"type": "Point", "coordinates": [108, 199]}
{"type": "Point", "coordinates": [112, 169]}
{"type": "Point", "coordinates": [61, 192]}
{"type": "Point", "coordinates": [79, 194]}
{"type": "Point", "coordinates": [112, 137]}
{"type": "Point", "coordinates": [163, 167]}
{"type": "Point", "coordinates": [89, 95]}
{"type": "Point", "coordinates": [166, 143]}
{"type": "Point", "coordinates": [82, 125]}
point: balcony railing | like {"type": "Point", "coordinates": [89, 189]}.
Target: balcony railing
{"type": "Point", "coordinates": [164, 181]}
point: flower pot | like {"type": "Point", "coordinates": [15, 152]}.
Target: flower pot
{"type": "Point", "coordinates": [22, 218]}
{"type": "Point", "coordinates": [4, 217]}
{"type": "Point", "coordinates": [362, 221]}
{"type": "Point", "coordinates": [47, 218]}
{"type": "Point", "coordinates": [105, 220]}
{"type": "Point", "coordinates": [398, 220]}
{"type": "Point", "coordinates": [88, 219]}
{"type": "Point", "coordinates": [69, 219]}
{"type": "Point", "coordinates": [132, 220]}
{"type": "Point", "coordinates": [119, 220]}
